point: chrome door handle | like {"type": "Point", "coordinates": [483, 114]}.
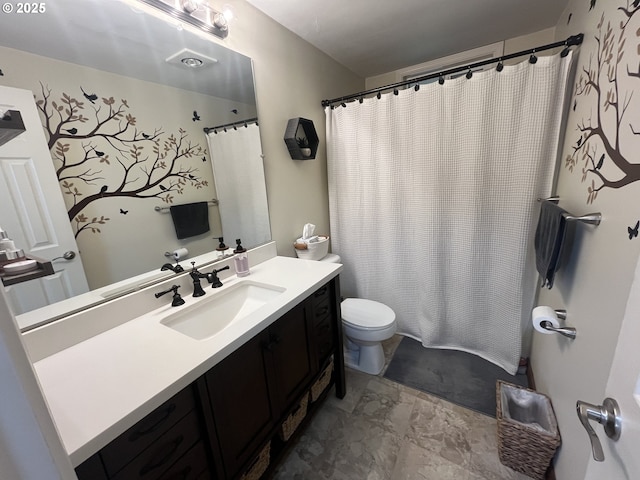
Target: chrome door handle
{"type": "Point", "coordinates": [608, 415]}
{"type": "Point", "coordinates": [69, 255]}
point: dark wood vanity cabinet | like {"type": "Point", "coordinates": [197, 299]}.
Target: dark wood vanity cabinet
{"type": "Point", "coordinates": [216, 427]}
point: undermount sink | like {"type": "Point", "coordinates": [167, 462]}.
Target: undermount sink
{"type": "Point", "coordinates": [211, 315]}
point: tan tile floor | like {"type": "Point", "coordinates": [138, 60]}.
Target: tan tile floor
{"type": "Point", "coordinates": [382, 430]}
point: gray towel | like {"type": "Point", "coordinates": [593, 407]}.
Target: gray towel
{"type": "Point", "coordinates": [554, 236]}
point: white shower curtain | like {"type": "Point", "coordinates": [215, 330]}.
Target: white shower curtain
{"type": "Point", "coordinates": [433, 206]}
{"type": "Point", "coordinates": [236, 156]}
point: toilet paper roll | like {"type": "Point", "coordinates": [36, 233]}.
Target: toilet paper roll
{"type": "Point", "coordinates": [180, 253]}
{"type": "Point", "coordinates": [541, 314]}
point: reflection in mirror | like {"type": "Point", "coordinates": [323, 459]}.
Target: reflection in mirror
{"type": "Point", "coordinates": [123, 120]}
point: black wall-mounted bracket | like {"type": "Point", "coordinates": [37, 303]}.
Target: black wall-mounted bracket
{"type": "Point", "coordinates": [301, 128]}
{"type": "Point", "coordinates": [11, 125]}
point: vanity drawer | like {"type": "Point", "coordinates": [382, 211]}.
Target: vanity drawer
{"type": "Point", "coordinates": [192, 466]}
{"type": "Point", "coordinates": [323, 338]}
{"type": "Point", "coordinates": [163, 453]}
{"type": "Point", "coordinates": [128, 445]}
{"type": "Point", "coordinates": [321, 294]}
{"type": "Point", "coordinates": [322, 310]}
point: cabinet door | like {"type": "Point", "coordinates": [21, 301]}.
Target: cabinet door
{"type": "Point", "coordinates": [291, 359]}
{"type": "Point", "coordinates": [242, 403]}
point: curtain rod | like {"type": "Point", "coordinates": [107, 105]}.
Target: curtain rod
{"type": "Point", "coordinates": [571, 41]}
{"type": "Point", "coordinates": [239, 123]}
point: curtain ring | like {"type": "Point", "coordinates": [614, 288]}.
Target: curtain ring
{"type": "Point", "coordinates": [395, 91]}
{"type": "Point", "coordinates": [565, 50]}
{"type": "Point", "coordinates": [235, 127]}
{"type": "Point", "coordinates": [379, 96]}
{"type": "Point", "coordinates": [361, 100]}
{"type": "Point", "coordinates": [441, 80]}
{"type": "Point", "coordinates": [533, 58]}
{"type": "Point", "coordinates": [417, 87]}
{"type": "Point", "coordinates": [469, 74]}
{"type": "Point", "coordinates": [500, 65]}
{"type": "Point", "coordinates": [344, 105]}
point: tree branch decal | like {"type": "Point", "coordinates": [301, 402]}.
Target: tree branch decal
{"type": "Point", "coordinates": [99, 152]}
{"type": "Point", "coordinates": [601, 141]}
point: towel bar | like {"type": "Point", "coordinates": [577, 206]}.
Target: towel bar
{"type": "Point", "coordinates": [590, 218]}
{"type": "Point", "coordinates": [166, 209]}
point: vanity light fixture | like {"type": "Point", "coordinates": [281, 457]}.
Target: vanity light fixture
{"type": "Point", "coordinates": [197, 13]}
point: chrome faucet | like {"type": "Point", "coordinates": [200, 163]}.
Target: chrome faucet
{"type": "Point", "coordinates": [196, 276]}
{"type": "Point", "coordinates": [177, 299]}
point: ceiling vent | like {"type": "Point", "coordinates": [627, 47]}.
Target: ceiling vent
{"type": "Point", "coordinates": [187, 58]}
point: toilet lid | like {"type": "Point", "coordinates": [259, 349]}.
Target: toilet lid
{"type": "Point", "coordinates": [366, 313]}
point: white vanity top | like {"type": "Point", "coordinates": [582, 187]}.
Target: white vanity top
{"type": "Point", "coordinates": [98, 388]}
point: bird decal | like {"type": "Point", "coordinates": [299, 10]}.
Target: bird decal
{"type": "Point", "coordinates": [145, 135]}
{"type": "Point", "coordinates": [72, 131]}
{"type": "Point", "coordinates": [124, 212]}
{"type": "Point", "coordinates": [162, 187]}
{"type": "Point", "coordinates": [98, 153]}
{"type": "Point", "coordinates": [91, 97]}
{"type": "Point", "coordinates": [1, 73]}
{"type": "Point", "coordinates": [579, 142]}
{"type": "Point", "coordinates": [635, 3]}
{"type": "Point", "coordinates": [103, 189]}
{"type": "Point", "coordinates": [196, 117]}
{"type": "Point", "coordinates": [593, 4]}
{"type": "Point", "coordinates": [204, 159]}
{"type": "Point", "coordinates": [235, 110]}
{"type": "Point", "coordinates": [575, 104]}
{"type": "Point", "coordinates": [633, 232]}
{"type": "Point", "coordinates": [599, 165]}
{"type": "Point", "coordinates": [569, 18]}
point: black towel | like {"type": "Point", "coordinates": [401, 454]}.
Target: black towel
{"type": "Point", "coordinates": [190, 219]}
{"type": "Point", "coordinates": [554, 235]}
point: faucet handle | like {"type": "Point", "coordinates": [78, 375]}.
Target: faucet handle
{"type": "Point", "coordinates": [177, 299]}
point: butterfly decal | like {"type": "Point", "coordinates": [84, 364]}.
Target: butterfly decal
{"type": "Point", "coordinates": [124, 212]}
{"type": "Point", "coordinates": [196, 117]}
{"type": "Point", "coordinates": [633, 232]}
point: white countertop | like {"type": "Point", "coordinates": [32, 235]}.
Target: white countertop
{"type": "Point", "coordinates": [100, 387]}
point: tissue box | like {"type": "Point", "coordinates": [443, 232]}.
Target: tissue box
{"type": "Point", "coordinates": [313, 251]}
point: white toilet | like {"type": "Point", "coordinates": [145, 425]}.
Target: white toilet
{"type": "Point", "coordinates": [365, 325]}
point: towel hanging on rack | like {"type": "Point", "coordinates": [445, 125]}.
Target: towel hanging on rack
{"type": "Point", "coordinates": [190, 219]}
{"type": "Point", "coordinates": [554, 236]}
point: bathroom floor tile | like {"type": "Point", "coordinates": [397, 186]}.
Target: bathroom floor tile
{"type": "Point", "coordinates": [382, 430]}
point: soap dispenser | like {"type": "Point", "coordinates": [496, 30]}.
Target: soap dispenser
{"type": "Point", "coordinates": [241, 260]}
{"type": "Point", "coordinates": [222, 249]}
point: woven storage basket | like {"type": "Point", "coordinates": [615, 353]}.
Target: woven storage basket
{"type": "Point", "coordinates": [521, 446]}
{"type": "Point", "coordinates": [259, 465]}
{"type": "Point", "coordinates": [313, 251]}
{"type": "Point", "coordinates": [294, 418]}
{"type": "Point", "coordinates": [323, 381]}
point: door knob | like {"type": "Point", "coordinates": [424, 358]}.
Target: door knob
{"type": "Point", "coordinates": [608, 415]}
{"type": "Point", "coordinates": [69, 255]}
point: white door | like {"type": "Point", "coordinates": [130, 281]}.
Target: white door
{"type": "Point", "coordinates": [622, 457]}
{"type": "Point", "coordinates": [32, 210]}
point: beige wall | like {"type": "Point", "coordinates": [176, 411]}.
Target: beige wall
{"type": "Point", "coordinates": [510, 45]}
{"type": "Point", "coordinates": [594, 286]}
{"type": "Point", "coordinates": [292, 78]}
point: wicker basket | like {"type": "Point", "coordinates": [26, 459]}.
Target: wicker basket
{"type": "Point", "coordinates": [294, 419]}
{"type": "Point", "coordinates": [313, 251]}
{"type": "Point", "coordinates": [524, 447]}
{"type": "Point", "coordinates": [323, 381]}
{"type": "Point", "coordinates": [259, 465]}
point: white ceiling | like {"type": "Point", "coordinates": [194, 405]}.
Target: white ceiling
{"type": "Point", "coordinates": [113, 36]}
{"type": "Point", "coordinates": [371, 37]}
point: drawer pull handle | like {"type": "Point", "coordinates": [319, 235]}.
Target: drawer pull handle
{"type": "Point", "coordinates": [322, 311]}
{"type": "Point", "coordinates": [273, 341]}
{"type": "Point", "coordinates": [169, 450]}
{"type": "Point", "coordinates": [181, 475]}
{"type": "Point", "coordinates": [140, 433]}
{"type": "Point", "coordinates": [320, 292]}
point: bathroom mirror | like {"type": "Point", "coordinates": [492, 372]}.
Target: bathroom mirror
{"type": "Point", "coordinates": [124, 94]}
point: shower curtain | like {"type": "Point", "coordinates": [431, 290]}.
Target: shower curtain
{"type": "Point", "coordinates": [432, 198]}
{"type": "Point", "coordinates": [236, 157]}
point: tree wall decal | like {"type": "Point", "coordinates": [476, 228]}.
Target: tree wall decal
{"type": "Point", "coordinates": [99, 152]}
{"type": "Point", "coordinates": [602, 140]}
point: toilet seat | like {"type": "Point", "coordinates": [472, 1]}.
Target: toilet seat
{"type": "Point", "coordinates": [364, 314]}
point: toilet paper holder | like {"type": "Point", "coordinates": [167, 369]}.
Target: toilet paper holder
{"type": "Point", "coordinates": [568, 332]}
